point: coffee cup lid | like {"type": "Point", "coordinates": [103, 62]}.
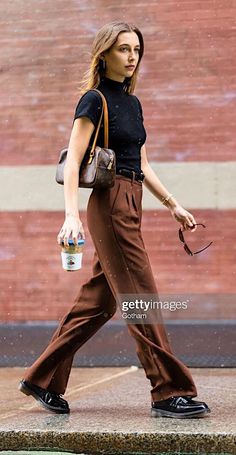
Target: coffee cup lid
{"type": "Point", "coordinates": [71, 242]}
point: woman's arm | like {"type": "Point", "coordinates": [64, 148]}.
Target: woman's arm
{"type": "Point", "coordinates": [153, 183]}
{"type": "Point", "coordinates": [78, 144]}
{"type": "Point", "coordinates": [156, 187]}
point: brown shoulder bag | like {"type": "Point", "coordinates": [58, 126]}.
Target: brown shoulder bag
{"type": "Point", "coordinates": [98, 167]}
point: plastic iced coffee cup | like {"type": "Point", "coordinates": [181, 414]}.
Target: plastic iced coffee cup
{"type": "Point", "coordinates": [71, 255]}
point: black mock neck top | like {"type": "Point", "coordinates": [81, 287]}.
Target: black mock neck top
{"type": "Point", "coordinates": [126, 130]}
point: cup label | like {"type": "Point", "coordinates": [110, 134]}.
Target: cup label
{"type": "Point", "coordinates": [71, 261]}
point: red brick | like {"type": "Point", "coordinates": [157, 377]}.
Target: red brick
{"type": "Point", "coordinates": [35, 287]}
{"type": "Point", "coordinates": [189, 51]}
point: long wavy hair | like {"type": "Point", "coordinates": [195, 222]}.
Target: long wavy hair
{"type": "Point", "coordinates": [104, 40]}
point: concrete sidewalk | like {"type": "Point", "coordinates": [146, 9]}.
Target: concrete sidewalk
{"type": "Point", "coordinates": [110, 414]}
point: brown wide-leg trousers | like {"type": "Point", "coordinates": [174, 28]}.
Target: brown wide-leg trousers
{"type": "Point", "coordinates": [120, 266]}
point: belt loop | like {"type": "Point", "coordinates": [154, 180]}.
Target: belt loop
{"type": "Point", "coordinates": [133, 176]}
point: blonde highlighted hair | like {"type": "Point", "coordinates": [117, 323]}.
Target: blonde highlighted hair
{"type": "Point", "coordinates": [104, 40]}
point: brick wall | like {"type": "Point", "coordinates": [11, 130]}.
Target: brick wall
{"type": "Point", "coordinates": [35, 287]}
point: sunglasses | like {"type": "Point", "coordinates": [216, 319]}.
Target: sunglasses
{"type": "Point", "coordinates": [187, 249]}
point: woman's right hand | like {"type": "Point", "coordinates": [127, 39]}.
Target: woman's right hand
{"type": "Point", "coordinates": [72, 225]}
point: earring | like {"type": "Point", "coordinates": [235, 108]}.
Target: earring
{"type": "Point", "coordinates": [103, 65]}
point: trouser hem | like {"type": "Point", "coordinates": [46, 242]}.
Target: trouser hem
{"type": "Point", "coordinates": [172, 393]}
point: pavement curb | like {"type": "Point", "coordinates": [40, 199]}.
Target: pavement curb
{"type": "Point", "coordinates": [118, 443]}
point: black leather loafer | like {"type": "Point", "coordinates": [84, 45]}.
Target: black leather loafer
{"type": "Point", "coordinates": [179, 407]}
{"type": "Point", "coordinates": [50, 400]}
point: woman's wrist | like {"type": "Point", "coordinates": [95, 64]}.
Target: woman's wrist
{"type": "Point", "coordinates": [72, 214]}
{"type": "Point", "coordinates": [169, 201]}
{"type": "Point", "coordinates": [172, 204]}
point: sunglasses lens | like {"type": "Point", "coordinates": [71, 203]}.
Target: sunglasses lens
{"type": "Point", "coordinates": [197, 242]}
{"type": "Point", "coordinates": [204, 248]}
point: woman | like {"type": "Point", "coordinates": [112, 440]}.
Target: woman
{"type": "Point", "coordinates": [121, 265]}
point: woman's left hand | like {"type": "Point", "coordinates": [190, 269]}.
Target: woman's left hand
{"type": "Point", "coordinates": [184, 217]}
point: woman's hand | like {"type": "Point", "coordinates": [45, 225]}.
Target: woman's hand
{"type": "Point", "coordinates": [72, 224]}
{"type": "Point", "coordinates": [184, 217]}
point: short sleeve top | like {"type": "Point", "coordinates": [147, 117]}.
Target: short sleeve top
{"type": "Point", "coordinates": [126, 130]}
{"type": "Point", "coordinates": [90, 105]}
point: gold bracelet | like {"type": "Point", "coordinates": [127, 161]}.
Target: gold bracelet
{"type": "Point", "coordinates": [166, 199]}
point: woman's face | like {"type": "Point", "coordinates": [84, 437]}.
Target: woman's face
{"type": "Point", "coordinates": [124, 52]}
